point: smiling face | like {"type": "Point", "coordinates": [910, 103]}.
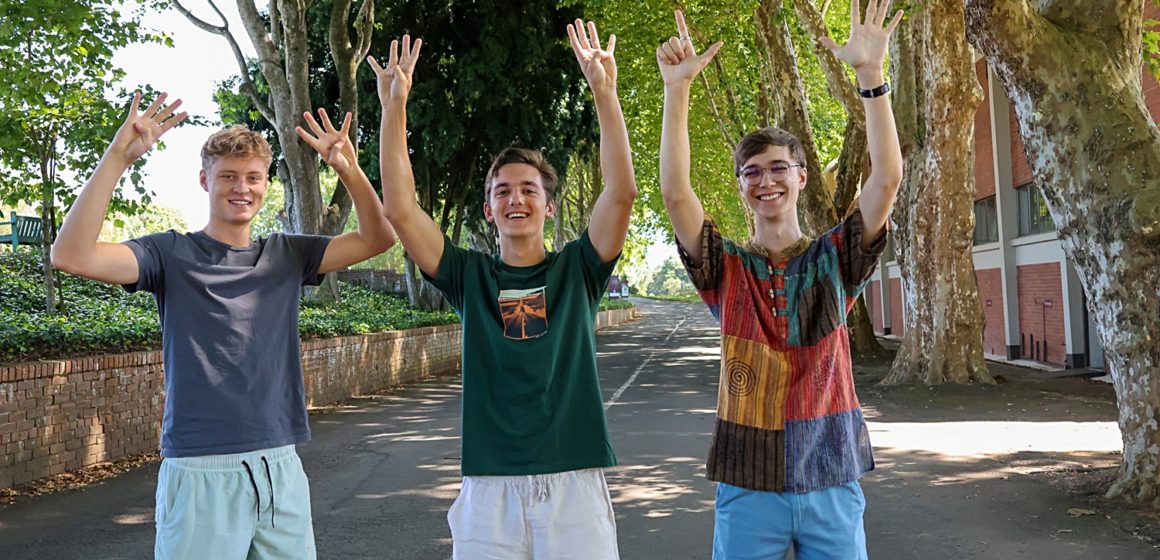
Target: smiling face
{"type": "Point", "coordinates": [236, 187]}
{"type": "Point", "coordinates": [517, 202]}
{"type": "Point", "coordinates": [771, 181]}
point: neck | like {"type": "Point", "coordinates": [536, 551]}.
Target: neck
{"type": "Point", "coordinates": [777, 234]}
{"type": "Point", "coordinates": [230, 234]}
{"type": "Point", "coordinates": [522, 251]}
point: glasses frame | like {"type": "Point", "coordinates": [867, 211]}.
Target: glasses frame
{"type": "Point", "coordinates": [766, 171]}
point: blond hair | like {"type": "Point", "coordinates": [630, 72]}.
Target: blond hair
{"type": "Point", "coordinates": [235, 141]}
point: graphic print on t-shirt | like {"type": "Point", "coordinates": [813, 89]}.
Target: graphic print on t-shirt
{"type": "Point", "coordinates": [525, 313]}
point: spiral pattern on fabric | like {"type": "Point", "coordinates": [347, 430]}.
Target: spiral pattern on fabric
{"type": "Point", "coordinates": [742, 379]}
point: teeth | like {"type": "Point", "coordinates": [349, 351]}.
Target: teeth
{"type": "Point", "coordinates": [240, 202]}
{"type": "Point", "coordinates": [770, 196]}
{"type": "Point", "coordinates": [517, 215]}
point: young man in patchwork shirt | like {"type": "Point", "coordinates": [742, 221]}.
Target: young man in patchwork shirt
{"type": "Point", "coordinates": [790, 441]}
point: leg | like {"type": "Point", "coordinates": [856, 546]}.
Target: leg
{"type": "Point", "coordinates": [831, 527]}
{"type": "Point", "coordinates": [571, 517]}
{"type": "Point", "coordinates": [751, 525]}
{"type": "Point", "coordinates": [202, 513]}
{"type": "Point", "coordinates": [487, 520]}
{"type": "Point", "coordinates": [285, 525]}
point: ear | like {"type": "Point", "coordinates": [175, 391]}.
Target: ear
{"type": "Point", "coordinates": [551, 210]}
{"type": "Point", "coordinates": [203, 180]}
{"type": "Point", "coordinates": [803, 177]}
{"type": "Point", "coordinates": [487, 213]}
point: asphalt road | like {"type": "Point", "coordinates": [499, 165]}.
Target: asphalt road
{"type": "Point", "coordinates": [384, 471]}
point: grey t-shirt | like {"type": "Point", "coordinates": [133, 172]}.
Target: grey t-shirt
{"type": "Point", "coordinates": [229, 336]}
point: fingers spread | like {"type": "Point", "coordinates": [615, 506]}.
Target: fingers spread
{"type": "Point", "coordinates": [374, 65]}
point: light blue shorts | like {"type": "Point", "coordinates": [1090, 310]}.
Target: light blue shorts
{"type": "Point", "coordinates": [243, 505]}
{"type": "Point", "coordinates": [822, 525]}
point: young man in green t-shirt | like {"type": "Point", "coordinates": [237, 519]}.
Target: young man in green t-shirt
{"type": "Point", "coordinates": [535, 442]}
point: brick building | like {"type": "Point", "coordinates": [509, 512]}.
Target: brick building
{"type": "Point", "coordinates": [1032, 299]}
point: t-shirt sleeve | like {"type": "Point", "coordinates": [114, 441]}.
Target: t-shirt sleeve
{"type": "Point", "coordinates": [449, 278]}
{"type": "Point", "coordinates": [151, 252]}
{"type": "Point", "coordinates": [310, 249]}
{"type": "Point", "coordinates": [855, 264]}
{"type": "Point", "coordinates": [706, 275]}
{"type": "Point", "coordinates": [596, 271]}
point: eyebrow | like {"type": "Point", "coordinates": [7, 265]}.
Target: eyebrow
{"type": "Point", "coordinates": [508, 184]}
{"type": "Point", "coordinates": [774, 162]}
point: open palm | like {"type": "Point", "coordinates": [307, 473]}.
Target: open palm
{"type": "Point", "coordinates": [142, 129]}
{"type": "Point", "coordinates": [598, 64]}
{"type": "Point", "coordinates": [395, 79]}
{"type": "Point", "coordinates": [868, 39]}
{"type": "Point", "coordinates": [333, 145]}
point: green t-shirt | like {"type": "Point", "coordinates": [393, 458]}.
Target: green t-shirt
{"type": "Point", "coordinates": [531, 394]}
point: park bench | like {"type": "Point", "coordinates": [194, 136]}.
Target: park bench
{"type": "Point", "coordinates": [22, 229]}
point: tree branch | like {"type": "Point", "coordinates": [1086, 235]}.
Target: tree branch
{"type": "Point", "coordinates": [838, 81]}
{"type": "Point", "coordinates": [248, 86]}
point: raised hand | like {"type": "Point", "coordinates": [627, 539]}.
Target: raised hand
{"type": "Point", "coordinates": [868, 40]}
{"type": "Point", "coordinates": [394, 79]}
{"type": "Point", "coordinates": [142, 129]}
{"type": "Point", "coordinates": [334, 145]}
{"type": "Point", "coordinates": [678, 58]}
{"type": "Point", "coordinates": [598, 64]}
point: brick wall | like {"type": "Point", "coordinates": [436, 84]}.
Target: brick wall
{"type": "Point", "coordinates": [984, 158]}
{"type": "Point", "coordinates": [896, 306]}
{"type": "Point", "coordinates": [1039, 283]}
{"type": "Point", "coordinates": [1020, 167]}
{"type": "Point", "coordinates": [65, 415]}
{"type": "Point", "coordinates": [991, 298]}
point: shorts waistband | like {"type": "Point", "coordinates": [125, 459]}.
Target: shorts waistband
{"type": "Point", "coordinates": [233, 461]}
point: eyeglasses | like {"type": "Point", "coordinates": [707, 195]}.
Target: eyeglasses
{"type": "Point", "coordinates": [777, 172]}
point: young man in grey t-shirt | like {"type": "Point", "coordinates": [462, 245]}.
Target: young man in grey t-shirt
{"type": "Point", "coordinates": [231, 484]}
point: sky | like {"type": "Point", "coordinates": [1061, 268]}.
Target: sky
{"type": "Point", "coordinates": [189, 71]}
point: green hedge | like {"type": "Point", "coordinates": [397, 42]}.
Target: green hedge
{"type": "Point", "coordinates": [99, 318]}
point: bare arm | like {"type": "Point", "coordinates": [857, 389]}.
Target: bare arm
{"type": "Point", "coordinates": [374, 234]}
{"type": "Point", "coordinates": [865, 52]}
{"type": "Point", "coordinates": [613, 209]}
{"type": "Point", "coordinates": [77, 250]}
{"type": "Point", "coordinates": [680, 64]}
{"type": "Point", "coordinates": [420, 235]}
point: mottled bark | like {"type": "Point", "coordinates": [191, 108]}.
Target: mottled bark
{"type": "Point", "coordinates": [943, 335]}
{"type": "Point", "coordinates": [1075, 83]}
{"type": "Point", "coordinates": [815, 207]}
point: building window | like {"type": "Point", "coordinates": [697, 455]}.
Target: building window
{"type": "Point", "coordinates": [986, 221]}
{"type": "Point", "coordinates": [1033, 214]}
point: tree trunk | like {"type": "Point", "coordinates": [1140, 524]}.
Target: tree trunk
{"type": "Point", "coordinates": [47, 200]}
{"type": "Point", "coordinates": [943, 337]}
{"type": "Point", "coordinates": [816, 208]}
{"type": "Point", "coordinates": [1096, 156]}
{"type": "Point", "coordinates": [420, 293]}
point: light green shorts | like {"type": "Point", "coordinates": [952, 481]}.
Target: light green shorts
{"type": "Point", "coordinates": [237, 506]}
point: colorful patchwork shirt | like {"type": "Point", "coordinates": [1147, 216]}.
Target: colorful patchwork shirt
{"type": "Point", "coordinates": [788, 419]}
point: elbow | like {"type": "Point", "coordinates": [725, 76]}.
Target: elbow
{"type": "Point", "coordinates": [61, 260]}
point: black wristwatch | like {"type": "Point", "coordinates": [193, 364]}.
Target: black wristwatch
{"type": "Point", "coordinates": [876, 92]}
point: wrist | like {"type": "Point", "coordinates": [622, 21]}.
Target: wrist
{"type": "Point", "coordinates": [870, 78]}
{"type": "Point", "coordinates": [117, 162]}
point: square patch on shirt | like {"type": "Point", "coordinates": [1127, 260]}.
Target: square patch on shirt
{"type": "Point", "coordinates": [754, 382]}
{"type": "Point", "coordinates": [525, 313]}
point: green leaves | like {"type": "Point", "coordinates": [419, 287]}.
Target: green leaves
{"type": "Point", "coordinates": [100, 318]}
